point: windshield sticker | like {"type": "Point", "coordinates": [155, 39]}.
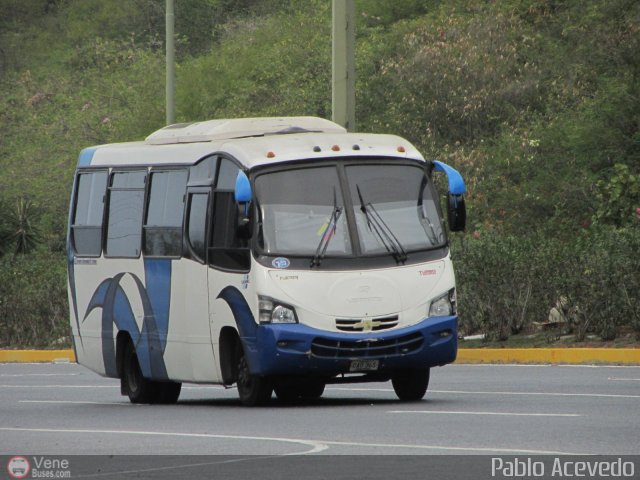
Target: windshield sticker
{"type": "Point", "coordinates": [281, 262]}
{"type": "Point", "coordinates": [425, 273]}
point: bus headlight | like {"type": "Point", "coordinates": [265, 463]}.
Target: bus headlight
{"type": "Point", "coordinates": [273, 311]}
{"type": "Point", "coordinates": [444, 305]}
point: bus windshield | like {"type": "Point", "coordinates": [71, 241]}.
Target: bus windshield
{"type": "Point", "coordinates": [304, 210]}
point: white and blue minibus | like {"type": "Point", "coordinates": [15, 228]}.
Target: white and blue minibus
{"type": "Point", "coordinates": [276, 254]}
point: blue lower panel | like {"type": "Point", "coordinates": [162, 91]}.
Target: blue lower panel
{"type": "Point", "coordinates": [301, 350]}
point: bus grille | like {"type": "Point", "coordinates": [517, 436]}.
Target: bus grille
{"type": "Point", "coordinates": [367, 348]}
{"type": "Point", "coordinates": [368, 325]}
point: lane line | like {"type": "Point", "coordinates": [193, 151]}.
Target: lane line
{"type": "Point", "coordinates": [317, 445]}
{"type": "Point", "coordinates": [472, 392]}
{"type": "Point", "coordinates": [536, 365]}
{"type": "Point", "coordinates": [454, 449]}
{"type": "Point", "coordinates": [82, 402]}
{"type": "Point", "coordinates": [59, 386]}
{"type": "Point", "coordinates": [548, 394]}
{"type": "Point", "coordinates": [617, 379]}
{"type": "Point", "coordinates": [448, 392]}
{"type": "Point", "coordinates": [186, 387]}
{"type": "Point", "coordinates": [39, 374]}
{"type": "Point", "coordinates": [507, 414]}
{"type": "Point", "coordinates": [361, 389]}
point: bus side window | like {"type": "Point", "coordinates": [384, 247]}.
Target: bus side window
{"type": "Point", "coordinates": [227, 251]}
{"type": "Point", "coordinates": [86, 226]}
{"type": "Point", "coordinates": [126, 202]}
{"type": "Point", "coordinates": [197, 225]}
{"type": "Point", "coordinates": [163, 225]}
{"type": "Point", "coordinates": [227, 175]}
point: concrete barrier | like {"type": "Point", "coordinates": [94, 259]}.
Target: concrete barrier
{"type": "Point", "coordinates": [572, 356]}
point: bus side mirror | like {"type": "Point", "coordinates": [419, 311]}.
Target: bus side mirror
{"type": "Point", "coordinates": [242, 192]}
{"type": "Point", "coordinates": [243, 196]}
{"type": "Point", "coordinates": [456, 209]}
{"type": "Point", "coordinates": [456, 212]}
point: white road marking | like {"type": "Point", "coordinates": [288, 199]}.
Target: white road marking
{"type": "Point", "coordinates": [115, 385]}
{"type": "Point", "coordinates": [534, 365]}
{"type": "Point", "coordinates": [360, 389]}
{"type": "Point", "coordinates": [59, 386]}
{"type": "Point", "coordinates": [456, 449]}
{"type": "Point", "coordinates": [317, 445]}
{"type": "Point", "coordinates": [470, 392]}
{"type": "Point", "coordinates": [617, 379]}
{"type": "Point", "coordinates": [508, 414]}
{"type": "Point", "coordinates": [549, 394]}
{"type": "Point", "coordinates": [82, 402]}
{"type": "Point", "coordinates": [38, 374]}
{"type": "Point", "coordinates": [447, 392]}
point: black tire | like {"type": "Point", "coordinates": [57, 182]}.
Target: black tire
{"type": "Point", "coordinates": [138, 388]}
{"type": "Point", "coordinates": [304, 389]}
{"type": "Point", "coordinates": [253, 390]}
{"type": "Point", "coordinates": [410, 385]}
{"type": "Point", "coordinates": [287, 393]}
{"type": "Point", "coordinates": [312, 390]}
{"type": "Point", "coordinates": [168, 392]}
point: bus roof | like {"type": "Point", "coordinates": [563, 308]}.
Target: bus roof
{"type": "Point", "coordinates": [251, 141]}
{"type": "Point", "coordinates": [226, 129]}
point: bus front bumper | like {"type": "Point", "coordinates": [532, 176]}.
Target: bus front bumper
{"type": "Point", "coordinates": [288, 349]}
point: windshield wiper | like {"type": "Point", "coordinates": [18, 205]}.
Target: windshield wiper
{"type": "Point", "coordinates": [328, 233]}
{"type": "Point", "coordinates": [384, 234]}
{"type": "Point", "coordinates": [423, 218]}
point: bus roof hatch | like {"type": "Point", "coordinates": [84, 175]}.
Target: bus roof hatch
{"type": "Point", "coordinates": [224, 129]}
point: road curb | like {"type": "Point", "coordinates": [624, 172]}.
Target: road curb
{"type": "Point", "coordinates": [572, 356]}
{"type": "Point", "coordinates": [36, 356]}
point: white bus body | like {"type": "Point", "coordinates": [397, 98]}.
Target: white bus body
{"type": "Point", "coordinates": [273, 253]}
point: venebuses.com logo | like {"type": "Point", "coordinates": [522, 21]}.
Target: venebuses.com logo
{"type": "Point", "coordinates": [38, 467]}
{"type": "Point", "coordinates": [18, 467]}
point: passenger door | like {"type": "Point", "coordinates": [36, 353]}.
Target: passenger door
{"type": "Point", "coordinates": [194, 279]}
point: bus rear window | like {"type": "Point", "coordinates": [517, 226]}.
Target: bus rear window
{"type": "Point", "coordinates": [86, 227]}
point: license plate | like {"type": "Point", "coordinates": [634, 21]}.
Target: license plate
{"type": "Point", "coordinates": [364, 365]}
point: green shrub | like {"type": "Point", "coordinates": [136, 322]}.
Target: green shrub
{"type": "Point", "coordinates": [505, 282]}
{"type": "Point", "coordinates": [33, 301]}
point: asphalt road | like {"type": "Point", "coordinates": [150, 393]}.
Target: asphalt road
{"type": "Point", "coordinates": [65, 409]}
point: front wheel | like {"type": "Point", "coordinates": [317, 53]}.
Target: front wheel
{"type": "Point", "coordinates": [410, 385]}
{"type": "Point", "coordinates": [290, 392]}
{"type": "Point", "coordinates": [252, 389]}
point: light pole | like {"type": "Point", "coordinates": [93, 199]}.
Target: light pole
{"type": "Point", "coordinates": [170, 61]}
{"type": "Point", "coordinates": [343, 99]}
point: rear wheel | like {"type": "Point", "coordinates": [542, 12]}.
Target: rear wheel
{"type": "Point", "coordinates": [410, 385]}
{"type": "Point", "coordinates": [253, 389]}
{"type": "Point", "coordinates": [138, 388]}
{"type": "Point", "coordinates": [142, 390]}
{"type": "Point", "coordinates": [168, 392]}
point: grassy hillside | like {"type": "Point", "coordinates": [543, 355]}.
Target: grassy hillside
{"type": "Point", "coordinates": [536, 102]}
